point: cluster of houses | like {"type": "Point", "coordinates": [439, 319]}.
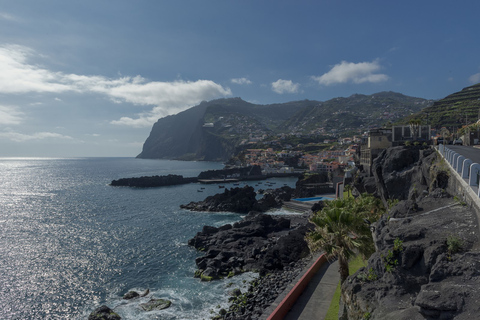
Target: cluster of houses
{"type": "Point", "coordinates": [287, 161]}
{"type": "Point", "coordinates": [348, 152]}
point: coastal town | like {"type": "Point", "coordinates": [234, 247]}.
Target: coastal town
{"type": "Point", "coordinates": [342, 154]}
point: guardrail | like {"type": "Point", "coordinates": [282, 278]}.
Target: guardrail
{"type": "Point", "coordinates": [466, 168]}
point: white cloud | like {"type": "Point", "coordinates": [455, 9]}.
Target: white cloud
{"type": "Point", "coordinates": [20, 137]}
{"type": "Point", "coordinates": [352, 72]}
{"type": "Point", "coordinates": [7, 16]}
{"type": "Point", "coordinates": [18, 76]}
{"type": "Point", "coordinates": [9, 115]}
{"type": "Point", "coordinates": [285, 86]}
{"type": "Point", "coordinates": [169, 98]}
{"type": "Point", "coordinates": [241, 81]}
{"type": "Point", "coordinates": [475, 78]}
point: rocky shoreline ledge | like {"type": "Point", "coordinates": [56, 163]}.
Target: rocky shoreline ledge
{"type": "Point", "coordinates": [209, 176]}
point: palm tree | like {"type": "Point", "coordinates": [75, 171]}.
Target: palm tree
{"type": "Point", "coordinates": [348, 189]}
{"type": "Point", "coordinates": [414, 126]}
{"type": "Point", "coordinates": [341, 233]}
{"type": "Point", "coordinates": [369, 207]}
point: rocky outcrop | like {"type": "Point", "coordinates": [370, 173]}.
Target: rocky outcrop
{"type": "Point", "coordinates": [156, 304]}
{"type": "Point", "coordinates": [134, 294]}
{"type": "Point", "coordinates": [259, 242]}
{"type": "Point", "coordinates": [152, 181]}
{"type": "Point", "coordinates": [414, 274]}
{"type": "Point", "coordinates": [424, 266]}
{"type": "Point", "coordinates": [103, 313]}
{"type": "Point", "coordinates": [242, 200]}
{"type": "Point", "coordinates": [403, 173]}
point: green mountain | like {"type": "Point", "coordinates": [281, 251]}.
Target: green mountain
{"type": "Point", "coordinates": [453, 111]}
{"type": "Point", "coordinates": [214, 130]}
{"type": "Point", "coordinates": [355, 113]}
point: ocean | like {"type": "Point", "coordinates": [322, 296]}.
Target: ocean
{"type": "Point", "coordinates": [69, 242]}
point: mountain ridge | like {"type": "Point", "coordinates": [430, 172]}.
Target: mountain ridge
{"type": "Point", "coordinates": [213, 130]}
{"type": "Point", "coordinates": [453, 111]}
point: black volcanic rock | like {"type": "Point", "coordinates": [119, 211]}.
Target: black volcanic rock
{"type": "Point", "coordinates": [152, 181]}
{"type": "Point", "coordinates": [403, 173]}
{"type": "Point", "coordinates": [258, 242]}
{"type": "Point", "coordinates": [424, 277]}
{"type": "Point", "coordinates": [415, 273]}
{"type": "Point", "coordinates": [242, 200]}
{"type": "Point", "coordinates": [103, 313]}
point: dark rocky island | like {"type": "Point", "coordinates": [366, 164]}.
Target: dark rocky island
{"type": "Point", "coordinates": [209, 176]}
{"type": "Point", "coordinates": [152, 181]}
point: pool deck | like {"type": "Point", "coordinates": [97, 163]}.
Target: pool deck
{"type": "Point", "coordinates": [304, 206]}
{"type": "Point", "coordinates": [317, 198]}
{"type": "Point", "coordinates": [314, 199]}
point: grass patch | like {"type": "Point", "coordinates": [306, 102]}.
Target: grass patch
{"type": "Point", "coordinates": [332, 313]}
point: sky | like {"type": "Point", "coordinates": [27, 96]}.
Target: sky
{"type": "Point", "coordinates": [90, 78]}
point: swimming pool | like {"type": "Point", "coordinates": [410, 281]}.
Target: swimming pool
{"type": "Point", "coordinates": [312, 199]}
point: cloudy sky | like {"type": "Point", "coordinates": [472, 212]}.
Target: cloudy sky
{"type": "Point", "coordinates": [89, 78]}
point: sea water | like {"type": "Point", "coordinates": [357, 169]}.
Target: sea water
{"type": "Point", "coordinates": [69, 242]}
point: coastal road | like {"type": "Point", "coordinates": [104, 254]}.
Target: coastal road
{"type": "Point", "coordinates": [467, 151]}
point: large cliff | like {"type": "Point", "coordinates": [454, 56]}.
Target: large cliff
{"type": "Point", "coordinates": [214, 130]}
{"type": "Point", "coordinates": [427, 263]}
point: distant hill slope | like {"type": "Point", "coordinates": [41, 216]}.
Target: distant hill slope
{"type": "Point", "coordinates": [348, 115]}
{"type": "Point", "coordinates": [453, 111]}
{"type": "Point", "coordinates": [213, 130]}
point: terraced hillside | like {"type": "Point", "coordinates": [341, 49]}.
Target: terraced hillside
{"type": "Point", "coordinates": [453, 111]}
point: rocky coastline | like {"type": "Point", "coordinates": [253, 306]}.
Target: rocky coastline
{"type": "Point", "coordinates": [272, 246]}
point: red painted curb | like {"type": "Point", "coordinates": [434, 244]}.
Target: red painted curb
{"type": "Point", "coordinates": [282, 309]}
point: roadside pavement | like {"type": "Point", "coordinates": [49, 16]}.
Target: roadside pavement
{"type": "Point", "coordinates": [314, 302]}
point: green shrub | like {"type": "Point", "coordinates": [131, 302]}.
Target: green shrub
{"type": "Point", "coordinates": [454, 244]}
{"type": "Point", "coordinates": [390, 260]}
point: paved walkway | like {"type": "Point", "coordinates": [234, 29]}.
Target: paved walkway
{"type": "Point", "coordinates": [314, 302]}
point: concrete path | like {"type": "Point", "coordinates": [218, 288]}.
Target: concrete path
{"type": "Point", "coordinates": [314, 302]}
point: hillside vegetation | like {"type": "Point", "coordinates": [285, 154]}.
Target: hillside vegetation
{"type": "Point", "coordinates": [453, 111]}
